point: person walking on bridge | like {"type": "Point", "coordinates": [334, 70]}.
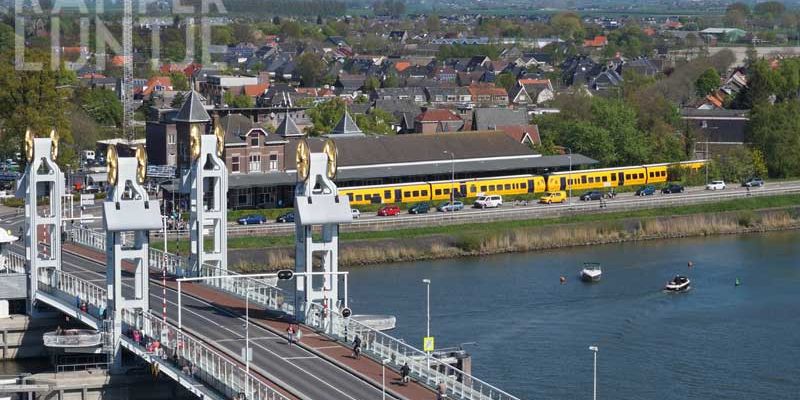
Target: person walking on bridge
{"type": "Point", "coordinates": [405, 371]}
{"type": "Point", "coordinates": [290, 334]}
{"type": "Point", "coordinates": [356, 347]}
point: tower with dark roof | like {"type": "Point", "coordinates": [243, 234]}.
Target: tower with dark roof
{"type": "Point", "coordinates": [288, 128]}
{"type": "Point", "coordinates": [346, 127]}
{"type": "Point", "coordinates": [192, 113]}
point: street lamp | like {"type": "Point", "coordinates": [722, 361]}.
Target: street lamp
{"type": "Point", "coordinates": [383, 376]}
{"type": "Point", "coordinates": [594, 386]}
{"type": "Point", "coordinates": [247, 327]}
{"type": "Point", "coordinates": [452, 175]}
{"type": "Point", "coordinates": [569, 180]}
{"type": "Point", "coordinates": [427, 283]}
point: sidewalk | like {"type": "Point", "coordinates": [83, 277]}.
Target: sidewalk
{"type": "Point", "coordinates": [328, 348]}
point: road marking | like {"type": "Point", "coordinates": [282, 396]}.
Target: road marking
{"type": "Point", "coordinates": [299, 358]}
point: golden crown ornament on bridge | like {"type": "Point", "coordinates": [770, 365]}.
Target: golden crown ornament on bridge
{"type": "Point", "coordinates": [112, 161]}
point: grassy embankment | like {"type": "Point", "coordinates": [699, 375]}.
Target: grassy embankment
{"type": "Point", "coordinates": [733, 216]}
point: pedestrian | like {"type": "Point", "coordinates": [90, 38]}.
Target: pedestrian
{"type": "Point", "coordinates": [441, 391]}
{"type": "Point", "coordinates": [405, 371]}
{"type": "Point", "coordinates": [356, 347]}
{"type": "Point", "coordinates": [290, 334]}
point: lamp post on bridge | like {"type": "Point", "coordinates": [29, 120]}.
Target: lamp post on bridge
{"type": "Point", "coordinates": [427, 283]}
{"type": "Point", "coordinates": [594, 380]}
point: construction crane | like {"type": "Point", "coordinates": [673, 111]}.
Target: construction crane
{"type": "Point", "coordinates": [127, 71]}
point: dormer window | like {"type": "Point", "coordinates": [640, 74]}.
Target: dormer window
{"type": "Point", "coordinates": [254, 140]}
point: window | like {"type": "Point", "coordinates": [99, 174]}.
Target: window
{"type": "Point", "coordinates": [605, 179]}
{"type": "Point", "coordinates": [522, 186]}
{"type": "Point", "coordinates": [416, 193]}
{"type": "Point", "coordinates": [473, 189]}
{"type": "Point", "coordinates": [491, 188]}
{"type": "Point", "coordinates": [613, 177]}
{"type": "Point", "coordinates": [406, 194]}
{"type": "Point", "coordinates": [591, 179]}
{"type": "Point", "coordinates": [627, 176]}
{"type": "Point", "coordinates": [273, 162]}
{"type": "Point", "coordinates": [368, 197]}
{"type": "Point", "coordinates": [359, 198]}
{"type": "Point", "coordinates": [255, 163]}
{"type": "Point", "coordinates": [424, 193]}
{"type": "Point", "coordinates": [641, 176]}
{"type": "Point", "coordinates": [583, 179]}
{"type": "Point", "coordinates": [483, 188]}
{"type": "Point", "coordinates": [438, 192]}
{"type": "Point", "coordinates": [451, 99]}
{"type": "Point", "coordinates": [254, 140]}
{"type": "Point", "coordinates": [387, 194]}
{"type": "Point", "coordinates": [171, 138]}
{"type": "Point", "coordinates": [651, 174]}
{"type": "Point", "coordinates": [235, 164]}
{"type": "Point", "coordinates": [350, 196]}
{"type": "Point", "coordinates": [447, 191]}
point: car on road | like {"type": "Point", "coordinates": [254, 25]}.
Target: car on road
{"type": "Point", "coordinates": [646, 190]}
{"type": "Point", "coordinates": [356, 213]}
{"type": "Point", "coordinates": [446, 206]}
{"type": "Point", "coordinates": [592, 195]}
{"type": "Point", "coordinates": [253, 219]}
{"type": "Point", "coordinates": [288, 217]}
{"type": "Point", "coordinates": [491, 201]}
{"type": "Point", "coordinates": [716, 185]}
{"type": "Point", "coordinates": [419, 208]}
{"type": "Point", "coordinates": [753, 182]}
{"type": "Point", "coordinates": [553, 197]}
{"type": "Point", "coordinates": [91, 189]}
{"type": "Point", "coordinates": [388, 211]}
{"type": "Point", "coordinates": [672, 188]}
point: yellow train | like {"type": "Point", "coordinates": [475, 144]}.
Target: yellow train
{"type": "Point", "coordinates": [515, 185]}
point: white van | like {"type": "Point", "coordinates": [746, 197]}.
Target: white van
{"type": "Point", "coordinates": [490, 201]}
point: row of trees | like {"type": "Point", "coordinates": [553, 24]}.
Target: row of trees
{"type": "Point", "coordinates": [324, 117]}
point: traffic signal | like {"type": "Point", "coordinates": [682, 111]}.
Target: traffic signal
{"type": "Point", "coordinates": [285, 274]}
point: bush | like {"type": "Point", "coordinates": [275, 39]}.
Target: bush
{"type": "Point", "coordinates": [14, 202]}
{"type": "Point", "coordinates": [747, 219]}
{"type": "Point", "coordinates": [470, 243]}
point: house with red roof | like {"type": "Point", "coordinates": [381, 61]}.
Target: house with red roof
{"type": "Point", "coordinates": [154, 85]}
{"type": "Point", "coordinates": [488, 95]}
{"type": "Point", "coordinates": [525, 134]}
{"type": "Point", "coordinates": [437, 120]}
{"type": "Point", "coordinates": [598, 42]}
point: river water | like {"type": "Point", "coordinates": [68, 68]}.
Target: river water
{"type": "Point", "coordinates": [717, 341]}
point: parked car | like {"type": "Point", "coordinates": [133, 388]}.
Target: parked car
{"type": "Point", "coordinates": [592, 195]}
{"type": "Point", "coordinates": [356, 213]}
{"type": "Point", "coordinates": [716, 185]}
{"type": "Point", "coordinates": [420, 208]}
{"type": "Point", "coordinates": [491, 201]}
{"type": "Point", "coordinates": [288, 217]}
{"type": "Point", "coordinates": [753, 182]}
{"type": "Point", "coordinates": [646, 190]}
{"type": "Point", "coordinates": [253, 219]}
{"type": "Point", "coordinates": [553, 197]}
{"type": "Point", "coordinates": [446, 206]}
{"type": "Point", "coordinates": [390, 210]}
{"type": "Point", "coordinates": [91, 189]}
{"type": "Point", "coordinates": [672, 188]}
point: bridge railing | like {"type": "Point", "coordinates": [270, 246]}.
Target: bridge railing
{"type": "Point", "coordinates": [262, 292]}
{"type": "Point", "coordinates": [210, 367]}
{"type": "Point", "coordinates": [12, 263]}
{"type": "Point", "coordinates": [384, 347]}
{"type": "Point", "coordinates": [51, 280]}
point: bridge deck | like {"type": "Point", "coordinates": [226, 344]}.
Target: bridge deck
{"type": "Point", "coordinates": [217, 318]}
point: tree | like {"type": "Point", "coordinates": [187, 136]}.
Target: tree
{"type": "Point", "coordinates": [324, 116]}
{"type": "Point", "coordinates": [179, 81]}
{"type": "Point", "coordinates": [311, 68]}
{"type": "Point", "coordinates": [371, 84]}
{"type": "Point", "coordinates": [432, 24]}
{"type": "Point", "coordinates": [390, 81]}
{"type": "Point", "coordinates": [772, 129]}
{"type": "Point", "coordinates": [177, 101]}
{"type": "Point", "coordinates": [707, 82]}
{"type": "Point", "coordinates": [237, 101]}
{"type": "Point", "coordinates": [736, 15]}
{"type": "Point", "coordinates": [376, 122]}
{"type": "Point", "coordinates": [568, 25]}
{"type": "Point", "coordinates": [102, 105]}
{"type": "Point", "coordinates": [505, 80]}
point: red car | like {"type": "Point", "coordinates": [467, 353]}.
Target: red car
{"type": "Point", "coordinates": [388, 211]}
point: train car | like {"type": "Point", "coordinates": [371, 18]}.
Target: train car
{"type": "Point", "coordinates": [387, 194]}
{"type": "Point", "coordinates": [503, 185]}
{"type": "Point", "coordinates": [659, 173]}
{"type": "Point", "coordinates": [597, 178]}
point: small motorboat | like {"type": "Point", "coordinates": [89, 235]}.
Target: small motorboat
{"type": "Point", "coordinates": [591, 272]}
{"type": "Point", "coordinates": [678, 284]}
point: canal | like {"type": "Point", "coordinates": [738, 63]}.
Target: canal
{"type": "Point", "coordinates": [532, 334]}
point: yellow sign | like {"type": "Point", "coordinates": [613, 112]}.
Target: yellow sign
{"type": "Point", "coordinates": [427, 344]}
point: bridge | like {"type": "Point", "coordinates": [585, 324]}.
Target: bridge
{"type": "Point", "coordinates": [214, 332]}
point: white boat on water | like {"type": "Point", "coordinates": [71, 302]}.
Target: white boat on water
{"type": "Point", "coordinates": [591, 272]}
{"type": "Point", "coordinates": [678, 284]}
